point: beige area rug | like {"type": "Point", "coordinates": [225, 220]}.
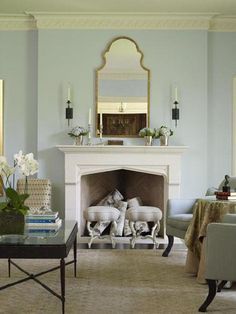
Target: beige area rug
{"type": "Point", "coordinates": [113, 282]}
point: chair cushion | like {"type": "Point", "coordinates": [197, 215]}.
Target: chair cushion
{"type": "Point", "coordinates": [180, 221]}
{"type": "Point", "coordinates": [101, 213]}
{"type": "Point", "coordinates": [144, 213]}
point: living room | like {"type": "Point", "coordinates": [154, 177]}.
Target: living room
{"type": "Point", "coordinates": [52, 51]}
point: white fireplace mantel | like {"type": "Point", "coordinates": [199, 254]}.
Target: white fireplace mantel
{"type": "Point", "coordinates": [83, 160]}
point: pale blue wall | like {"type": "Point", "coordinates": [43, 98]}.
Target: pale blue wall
{"type": "Point", "coordinates": [38, 65]}
{"type": "Point", "coordinates": [222, 69]}
{"type": "Point", "coordinates": [18, 69]}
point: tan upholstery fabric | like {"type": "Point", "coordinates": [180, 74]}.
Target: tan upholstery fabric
{"type": "Point", "coordinates": [39, 191]}
{"type": "Point", "coordinates": [205, 212]}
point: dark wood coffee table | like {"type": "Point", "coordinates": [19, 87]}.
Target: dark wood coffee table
{"type": "Point", "coordinates": [43, 247]}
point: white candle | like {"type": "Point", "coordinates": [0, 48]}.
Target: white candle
{"type": "Point", "coordinates": [176, 94]}
{"type": "Point", "coordinates": [68, 94]}
{"type": "Point", "coordinates": [90, 116]}
{"type": "Point", "coordinates": [100, 118]}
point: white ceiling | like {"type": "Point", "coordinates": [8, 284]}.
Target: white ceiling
{"type": "Point", "coordinates": [224, 7]}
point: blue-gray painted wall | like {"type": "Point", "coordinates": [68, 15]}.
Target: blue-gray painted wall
{"type": "Point", "coordinates": [37, 65]}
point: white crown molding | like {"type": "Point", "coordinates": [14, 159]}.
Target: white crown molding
{"type": "Point", "coordinates": [223, 24]}
{"type": "Point", "coordinates": [121, 21]}
{"type": "Point", "coordinates": [17, 22]}
{"type": "Point", "coordinates": [101, 20]}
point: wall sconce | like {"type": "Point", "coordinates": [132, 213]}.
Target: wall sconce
{"type": "Point", "coordinates": [175, 110]}
{"type": "Point", "coordinates": [69, 110]}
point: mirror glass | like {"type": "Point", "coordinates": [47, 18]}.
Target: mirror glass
{"type": "Point", "coordinates": [122, 90]}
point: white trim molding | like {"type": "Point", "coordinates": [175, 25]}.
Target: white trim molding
{"type": "Point", "coordinates": [121, 21]}
{"type": "Point", "coordinates": [118, 20]}
{"type": "Point", "coordinates": [223, 24]}
{"type": "Point", "coordinates": [234, 129]}
{"type": "Point", "coordinates": [17, 22]}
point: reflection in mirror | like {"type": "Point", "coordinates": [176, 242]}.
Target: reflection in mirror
{"type": "Point", "coordinates": [122, 90]}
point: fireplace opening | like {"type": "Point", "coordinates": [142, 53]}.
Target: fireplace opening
{"type": "Point", "coordinates": [149, 187]}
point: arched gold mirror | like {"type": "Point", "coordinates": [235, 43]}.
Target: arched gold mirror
{"type": "Point", "coordinates": [122, 90]}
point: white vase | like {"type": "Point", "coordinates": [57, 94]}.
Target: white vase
{"type": "Point", "coordinates": [164, 140]}
{"type": "Point", "coordinates": [79, 140]}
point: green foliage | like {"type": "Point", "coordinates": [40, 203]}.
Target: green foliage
{"type": "Point", "coordinates": [146, 132]}
{"type": "Point", "coordinates": [15, 202]}
{"type": "Point", "coordinates": [162, 131]}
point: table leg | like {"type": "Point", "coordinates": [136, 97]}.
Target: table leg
{"type": "Point", "coordinates": [75, 255]}
{"type": "Point", "coordinates": [62, 272]}
{"type": "Point", "coordinates": [169, 246]}
{"type": "Point", "coordinates": [211, 294]}
{"type": "Point", "coordinates": [9, 267]}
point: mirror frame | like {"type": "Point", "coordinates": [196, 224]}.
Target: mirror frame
{"type": "Point", "coordinates": [107, 49]}
{"type": "Point", "coordinates": [1, 127]}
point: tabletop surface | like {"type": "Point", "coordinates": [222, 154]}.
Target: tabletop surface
{"type": "Point", "coordinates": [58, 238]}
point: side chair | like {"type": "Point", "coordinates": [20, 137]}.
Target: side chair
{"type": "Point", "coordinates": [220, 257]}
{"type": "Point", "coordinates": [178, 217]}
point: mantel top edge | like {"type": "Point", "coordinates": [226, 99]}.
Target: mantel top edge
{"type": "Point", "coordinates": [121, 148]}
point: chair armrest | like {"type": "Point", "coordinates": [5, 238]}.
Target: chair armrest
{"type": "Point", "coordinates": [220, 251]}
{"type": "Point", "coordinates": [180, 206]}
{"type": "Point", "coordinates": [211, 191]}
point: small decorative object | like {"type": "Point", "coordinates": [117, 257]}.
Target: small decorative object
{"type": "Point", "coordinates": [69, 110]}
{"type": "Point", "coordinates": [13, 209]}
{"type": "Point", "coordinates": [226, 187]}
{"type": "Point", "coordinates": [78, 133]}
{"type": "Point", "coordinates": [115, 142]}
{"type": "Point", "coordinates": [163, 133]}
{"type": "Point", "coordinates": [148, 134]}
{"type": "Point", "coordinates": [175, 109]}
{"type": "Point", "coordinates": [90, 127]}
{"type": "Point", "coordinates": [222, 195]}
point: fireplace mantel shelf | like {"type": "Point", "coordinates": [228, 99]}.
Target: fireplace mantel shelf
{"type": "Point", "coordinates": [121, 148]}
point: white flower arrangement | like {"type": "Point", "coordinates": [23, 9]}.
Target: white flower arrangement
{"type": "Point", "coordinates": [77, 131]}
{"type": "Point", "coordinates": [26, 163]}
{"type": "Point", "coordinates": [27, 166]}
{"type": "Point", "coordinates": [163, 131]}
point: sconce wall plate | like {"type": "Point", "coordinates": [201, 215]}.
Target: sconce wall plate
{"type": "Point", "coordinates": [69, 112]}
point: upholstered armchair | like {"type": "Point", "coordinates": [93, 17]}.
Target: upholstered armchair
{"type": "Point", "coordinates": [39, 191]}
{"type": "Point", "coordinates": [178, 217]}
{"type": "Point", "coordinates": [220, 256]}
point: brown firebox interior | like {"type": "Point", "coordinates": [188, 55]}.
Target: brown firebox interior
{"type": "Point", "coordinates": [150, 188]}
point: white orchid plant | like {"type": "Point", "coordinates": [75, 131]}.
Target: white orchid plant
{"type": "Point", "coordinates": [77, 131]}
{"type": "Point", "coordinates": [27, 165]}
{"type": "Point", "coordinates": [162, 131]}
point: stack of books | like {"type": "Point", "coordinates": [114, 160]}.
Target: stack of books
{"type": "Point", "coordinates": [232, 196]}
{"type": "Point", "coordinates": [47, 223]}
{"type": "Point", "coordinates": [222, 195]}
